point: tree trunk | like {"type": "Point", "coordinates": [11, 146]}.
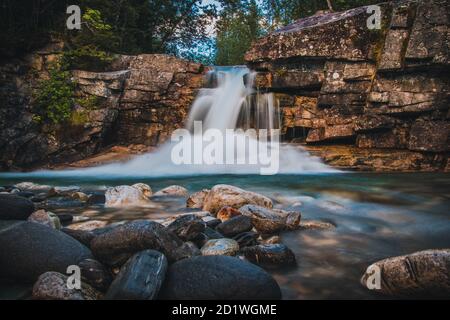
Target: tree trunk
{"type": "Point", "coordinates": [330, 5]}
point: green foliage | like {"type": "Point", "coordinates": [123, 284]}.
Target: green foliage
{"type": "Point", "coordinates": [236, 31]}
{"type": "Point", "coordinates": [282, 12]}
{"type": "Point", "coordinates": [53, 99]}
{"type": "Point", "coordinates": [90, 47]}
{"type": "Point", "coordinates": [89, 102]}
{"type": "Point", "coordinates": [86, 57]}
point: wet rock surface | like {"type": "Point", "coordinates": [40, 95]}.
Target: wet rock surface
{"type": "Point", "coordinates": [265, 220]}
{"type": "Point", "coordinates": [13, 207]}
{"type": "Point", "coordinates": [424, 273]}
{"type": "Point", "coordinates": [218, 277]}
{"type": "Point", "coordinates": [235, 226]}
{"type": "Point", "coordinates": [173, 191]}
{"type": "Point", "coordinates": [30, 249]}
{"type": "Point", "coordinates": [123, 196]}
{"type": "Point", "coordinates": [117, 245]}
{"type": "Point", "coordinates": [187, 227]}
{"type": "Point", "coordinates": [226, 195]}
{"type": "Point", "coordinates": [140, 278]}
{"type": "Point", "coordinates": [269, 255]}
{"type": "Point", "coordinates": [53, 286]}
{"type": "Point", "coordinates": [216, 247]}
{"type": "Point", "coordinates": [196, 199]}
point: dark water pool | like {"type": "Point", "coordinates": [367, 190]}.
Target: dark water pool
{"type": "Point", "coordinates": [377, 216]}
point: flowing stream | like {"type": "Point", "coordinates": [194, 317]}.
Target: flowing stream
{"type": "Point", "coordinates": [376, 215]}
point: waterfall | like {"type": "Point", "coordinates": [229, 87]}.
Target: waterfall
{"type": "Point", "coordinates": [229, 101]}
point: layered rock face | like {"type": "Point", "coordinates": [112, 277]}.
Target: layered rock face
{"type": "Point", "coordinates": [384, 93]}
{"type": "Point", "coordinates": [140, 101]}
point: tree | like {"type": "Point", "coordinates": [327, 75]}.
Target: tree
{"type": "Point", "coordinates": [238, 26]}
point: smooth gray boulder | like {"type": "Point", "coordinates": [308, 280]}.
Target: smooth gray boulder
{"type": "Point", "coordinates": [13, 207]}
{"type": "Point", "coordinates": [30, 249]}
{"type": "Point", "coordinates": [218, 278]}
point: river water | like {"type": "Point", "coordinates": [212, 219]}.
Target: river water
{"type": "Point", "coordinates": [376, 216]}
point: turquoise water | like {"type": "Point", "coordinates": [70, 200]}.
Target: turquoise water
{"type": "Point", "coordinates": [377, 216]}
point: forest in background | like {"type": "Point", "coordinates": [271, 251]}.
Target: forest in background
{"type": "Point", "coordinates": [212, 32]}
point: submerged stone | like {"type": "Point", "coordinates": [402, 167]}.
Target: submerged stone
{"type": "Point", "coordinates": [270, 255]}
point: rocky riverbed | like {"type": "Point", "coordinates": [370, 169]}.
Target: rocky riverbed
{"type": "Point", "coordinates": [154, 240]}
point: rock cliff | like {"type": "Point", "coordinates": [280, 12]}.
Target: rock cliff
{"type": "Point", "coordinates": [140, 101]}
{"type": "Point", "coordinates": [380, 96]}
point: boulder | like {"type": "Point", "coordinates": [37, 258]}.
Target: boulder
{"type": "Point", "coordinates": [215, 247]}
{"type": "Point", "coordinates": [95, 274]}
{"type": "Point", "coordinates": [30, 249]}
{"type": "Point", "coordinates": [269, 254]}
{"type": "Point", "coordinates": [421, 274]}
{"type": "Point", "coordinates": [62, 191]}
{"type": "Point", "coordinates": [195, 200]}
{"type": "Point", "coordinates": [96, 198]}
{"type": "Point", "coordinates": [89, 225]}
{"type": "Point", "coordinates": [265, 220]}
{"type": "Point", "coordinates": [314, 224]}
{"type": "Point", "coordinates": [31, 186]}
{"type": "Point", "coordinates": [53, 286]}
{"type": "Point", "coordinates": [81, 196]}
{"type": "Point", "coordinates": [45, 218]}
{"type": "Point", "coordinates": [271, 240]}
{"type": "Point", "coordinates": [117, 245]}
{"type": "Point", "coordinates": [235, 226]}
{"type": "Point", "coordinates": [226, 213]}
{"type": "Point", "coordinates": [218, 278]}
{"type": "Point", "coordinates": [225, 195]}
{"type": "Point", "coordinates": [246, 239]}
{"type": "Point", "coordinates": [187, 227]}
{"type": "Point", "coordinates": [83, 236]}
{"type": "Point", "coordinates": [144, 188]}
{"type": "Point", "coordinates": [293, 220]}
{"type": "Point", "coordinates": [185, 251]}
{"type": "Point", "coordinates": [124, 196]}
{"type": "Point", "coordinates": [174, 191]}
{"type": "Point", "coordinates": [140, 278]}
{"type": "Point", "coordinates": [13, 207]}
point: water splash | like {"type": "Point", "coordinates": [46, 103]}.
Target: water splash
{"type": "Point", "coordinates": [229, 102]}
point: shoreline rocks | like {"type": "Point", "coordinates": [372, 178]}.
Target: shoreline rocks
{"type": "Point", "coordinates": [425, 274]}
{"type": "Point", "coordinates": [140, 278]}
{"type": "Point", "coordinates": [269, 255]}
{"type": "Point", "coordinates": [173, 191]}
{"type": "Point", "coordinates": [265, 220]}
{"type": "Point", "coordinates": [117, 245]}
{"type": "Point", "coordinates": [218, 278]}
{"type": "Point", "coordinates": [125, 196]}
{"type": "Point", "coordinates": [196, 199]}
{"type": "Point", "coordinates": [226, 195]}
{"type": "Point", "coordinates": [45, 218]}
{"type": "Point", "coordinates": [13, 207]}
{"type": "Point", "coordinates": [53, 286]}
{"type": "Point", "coordinates": [220, 247]}
{"type": "Point", "coordinates": [187, 227]}
{"type": "Point", "coordinates": [30, 249]}
{"type": "Point", "coordinates": [235, 226]}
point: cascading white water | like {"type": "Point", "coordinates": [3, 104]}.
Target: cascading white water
{"type": "Point", "coordinates": [231, 104]}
